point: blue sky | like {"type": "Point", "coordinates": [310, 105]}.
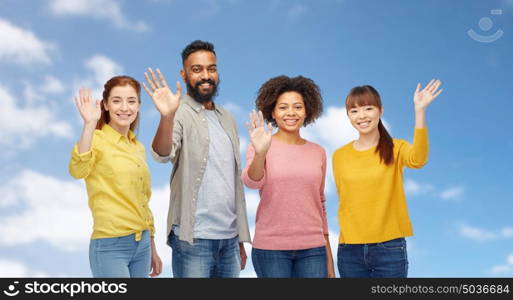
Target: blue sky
{"type": "Point", "coordinates": [459, 203]}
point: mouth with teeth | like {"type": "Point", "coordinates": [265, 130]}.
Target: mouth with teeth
{"type": "Point", "coordinates": [363, 124]}
{"type": "Point", "coordinates": [124, 116]}
{"type": "Point", "coordinates": [291, 122]}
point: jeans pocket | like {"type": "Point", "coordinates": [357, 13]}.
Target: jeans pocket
{"type": "Point", "coordinates": [396, 244]}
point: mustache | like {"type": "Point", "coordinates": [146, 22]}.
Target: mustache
{"type": "Point", "coordinates": [210, 81]}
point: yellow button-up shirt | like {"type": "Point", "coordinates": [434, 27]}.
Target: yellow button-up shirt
{"type": "Point", "coordinates": [118, 184]}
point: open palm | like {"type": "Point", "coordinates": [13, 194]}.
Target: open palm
{"type": "Point", "coordinates": [259, 136]}
{"type": "Point", "coordinates": [89, 112]}
{"type": "Point", "coordinates": [164, 99]}
{"type": "Point", "coordinates": [422, 98]}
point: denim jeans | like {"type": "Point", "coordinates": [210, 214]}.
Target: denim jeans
{"type": "Point", "coordinates": [121, 256]}
{"type": "Point", "coordinates": [307, 263]}
{"type": "Point", "coordinates": [387, 259]}
{"type": "Point", "coordinates": [205, 258]}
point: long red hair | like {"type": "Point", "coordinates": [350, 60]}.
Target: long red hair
{"type": "Point", "coordinates": [367, 95]}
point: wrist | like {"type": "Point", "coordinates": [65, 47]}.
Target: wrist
{"type": "Point", "coordinates": [90, 125]}
{"type": "Point", "coordinates": [167, 117]}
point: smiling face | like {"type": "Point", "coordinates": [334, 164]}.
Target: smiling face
{"type": "Point", "coordinates": [365, 118]}
{"type": "Point", "coordinates": [289, 112]}
{"type": "Point", "coordinates": [200, 74]}
{"type": "Point", "coordinates": [364, 109]}
{"type": "Point", "coordinates": [123, 107]}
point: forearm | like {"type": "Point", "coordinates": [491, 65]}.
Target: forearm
{"type": "Point", "coordinates": [86, 138]}
{"type": "Point", "coordinates": [256, 168]}
{"type": "Point", "coordinates": [329, 255]}
{"type": "Point", "coordinates": [153, 247]}
{"type": "Point", "coordinates": [420, 118]}
{"type": "Point", "coordinates": [162, 142]}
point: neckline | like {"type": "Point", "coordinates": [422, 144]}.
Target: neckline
{"type": "Point", "coordinates": [295, 145]}
{"type": "Point", "coordinates": [362, 151]}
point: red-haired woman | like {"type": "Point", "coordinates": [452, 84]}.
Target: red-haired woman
{"type": "Point", "coordinates": [113, 163]}
{"type": "Point", "coordinates": [368, 172]}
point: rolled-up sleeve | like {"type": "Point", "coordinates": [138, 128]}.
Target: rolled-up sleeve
{"type": "Point", "coordinates": [81, 164]}
{"type": "Point", "coordinates": [250, 183]}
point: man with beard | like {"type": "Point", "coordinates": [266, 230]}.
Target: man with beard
{"type": "Point", "coordinates": [207, 222]}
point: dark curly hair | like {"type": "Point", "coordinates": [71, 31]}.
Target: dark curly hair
{"type": "Point", "coordinates": [272, 89]}
{"type": "Point", "coordinates": [194, 46]}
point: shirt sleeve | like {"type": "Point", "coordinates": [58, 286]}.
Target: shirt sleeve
{"type": "Point", "coordinates": [416, 155]}
{"type": "Point", "coordinates": [176, 144]}
{"type": "Point", "coordinates": [81, 164]}
{"type": "Point", "coordinates": [322, 196]}
{"type": "Point", "coordinates": [250, 183]}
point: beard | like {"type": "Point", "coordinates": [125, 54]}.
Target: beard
{"type": "Point", "coordinates": [195, 93]}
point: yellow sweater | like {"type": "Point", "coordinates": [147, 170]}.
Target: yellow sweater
{"type": "Point", "coordinates": [372, 204]}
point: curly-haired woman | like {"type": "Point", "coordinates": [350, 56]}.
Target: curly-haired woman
{"type": "Point", "coordinates": [291, 234]}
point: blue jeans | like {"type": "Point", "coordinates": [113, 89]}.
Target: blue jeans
{"type": "Point", "coordinates": [205, 258]}
{"type": "Point", "coordinates": [121, 256]}
{"type": "Point", "coordinates": [307, 263]}
{"type": "Point", "coordinates": [387, 259]}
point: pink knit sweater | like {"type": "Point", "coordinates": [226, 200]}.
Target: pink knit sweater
{"type": "Point", "coordinates": [291, 214]}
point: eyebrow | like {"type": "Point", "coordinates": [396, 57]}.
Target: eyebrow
{"type": "Point", "coordinates": [295, 103]}
{"type": "Point", "coordinates": [198, 65]}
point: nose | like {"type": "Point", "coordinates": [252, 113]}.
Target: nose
{"type": "Point", "coordinates": [124, 105]}
{"type": "Point", "coordinates": [290, 111]}
{"type": "Point", "coordinates": [204, 74]}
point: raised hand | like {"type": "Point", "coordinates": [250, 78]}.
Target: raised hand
{"type": "Point", "coordinates": [259, 136]}
{"type": "Point", "coordinates": [166, 102]}
{"type": "Point", "coordinates": [423, 98]}
{"type": "Point", "coordinates": [89, 112]}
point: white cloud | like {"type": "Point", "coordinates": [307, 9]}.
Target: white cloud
{"type": "Point", "coordinates": [252, 201]}
{"type": "Point", "coordinates": [22, 126]}
{"type": "Point", "coordinates": [453, 193]}
{"type": "Point", "coordinates": [102, 69]}
{"type": "Point", "coordinates": [414, 188]}
{"type": "Point", "coordinates": [109, 10]}
{"type": "Point", "coordinates": [17, 269]}
{"type": "Point", "coordinates": [232, 108]}
{"type": "Point", "coordinates": [22, 46]}
{"type": "Point", "coordinates": [480, 234]}
{"type": "Point", "coordinates": [159, 204]}
{"type": "Point", "coordinates": [53, 210]}
{"type": "Point", "coordinates": [505, 269]}
{"type": "Point", "coordinates": [52, 85]}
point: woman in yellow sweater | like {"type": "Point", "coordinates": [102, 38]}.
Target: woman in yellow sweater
{"type": "Point", "coordinates": [113, 163]}
{"type": "Point", "coordinates": [368, 173]}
